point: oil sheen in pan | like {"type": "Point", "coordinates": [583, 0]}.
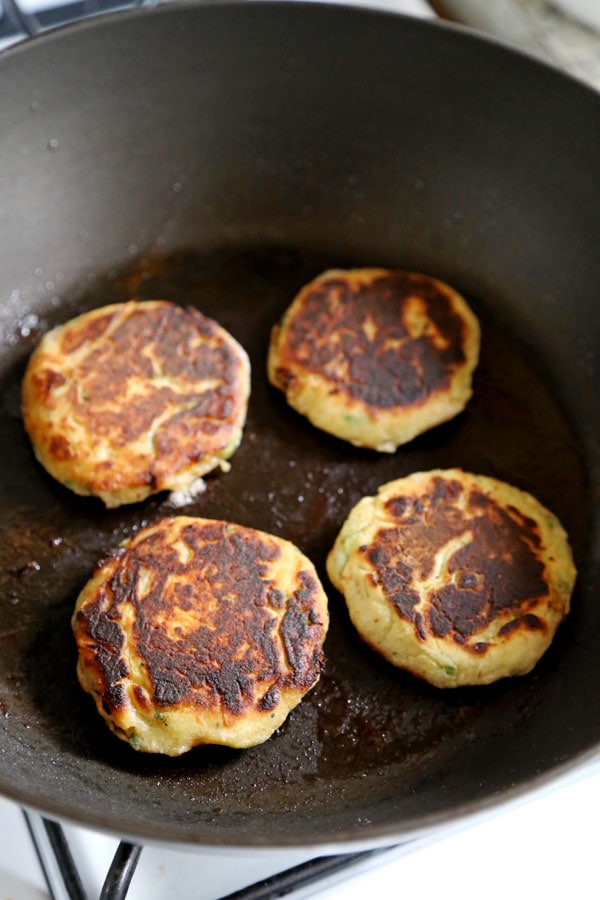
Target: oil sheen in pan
{"type": "Point", "coordinates": [367, 728]}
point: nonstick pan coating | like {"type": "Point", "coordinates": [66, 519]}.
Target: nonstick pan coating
{"type": "Point", "coordinates": [220, 157]}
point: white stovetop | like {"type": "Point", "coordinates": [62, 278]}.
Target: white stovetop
{"type": "Point", "coordinates": [541, 846]}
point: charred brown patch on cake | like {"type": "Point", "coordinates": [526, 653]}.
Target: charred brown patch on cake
{"type": "Point", "coordinates": [101, 653]}
{"type": "Point", "coordinates": [209, 626]}
{"type": "Point", "coordinates": [74, 338]}
{"type": "Point", "coordinates": [60, 448]}
{"type": "Point", "coordinates": [390, 342]}
{"type": "Point", "coordinates": [180, 368]}
{"type": "Point", "coordinates": [528, 622]}
{"type": "Point", "coordinates": [493, 566]}
{"type": "Point", "coordinates": [305, 657]}
{"type": "Point", "coordinates": [46, 380]}
{"type": "Point", "coordinates": [141, 697]}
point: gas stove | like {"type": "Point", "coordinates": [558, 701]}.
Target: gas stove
{"type": "Point", "coordinates": [539, 845]}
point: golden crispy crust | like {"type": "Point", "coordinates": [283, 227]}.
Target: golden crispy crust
{"type": "Point", "coordinates": [200, 631]}
{"type": "Point", "coordinates": [375, 356]}
{"type": "Point", "coordinates": [461, 579]}
{"type": "Point", "coordinates": [135, 398]}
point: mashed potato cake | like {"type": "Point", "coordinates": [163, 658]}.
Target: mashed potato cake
{"type": "Point", "coordinates": [375, 356]}
{"type": "Point", "coordinates": [458, 578]}
{"type": "Point", "coordinates": [135, 398]}
{"type": "Point", "coordinates": [197, 631]}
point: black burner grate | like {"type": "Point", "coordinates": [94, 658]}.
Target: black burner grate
{"type": "Point", "coordinates": [65, 883]}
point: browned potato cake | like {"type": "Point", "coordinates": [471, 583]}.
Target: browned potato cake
{"type": "Point", "coordinates": [458, 578]}
{"type": "Point", "coordinates": [197, 631]}
{"type": "Point", "coordinates": [135, 398]}
{"type": "Point", "coordinates": [375, 356]}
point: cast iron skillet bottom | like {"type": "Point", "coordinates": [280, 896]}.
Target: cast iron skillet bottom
{"type": "Point", "coordinates": [369, 742]}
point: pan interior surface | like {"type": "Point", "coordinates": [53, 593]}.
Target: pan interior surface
{"type": "Point", "coordinates": [277, 143]}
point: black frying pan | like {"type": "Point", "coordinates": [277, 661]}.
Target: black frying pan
{"type": "Point", "coordinates": [221, 156]}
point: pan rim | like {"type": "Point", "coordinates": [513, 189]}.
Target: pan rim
{"type": "Point", "coordinates": [106, 19]}
{"type": "Point", "coordinates": [346, 841]}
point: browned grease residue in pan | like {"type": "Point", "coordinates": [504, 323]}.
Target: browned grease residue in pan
{"type": "Point", "coordinates": [365, 726]}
